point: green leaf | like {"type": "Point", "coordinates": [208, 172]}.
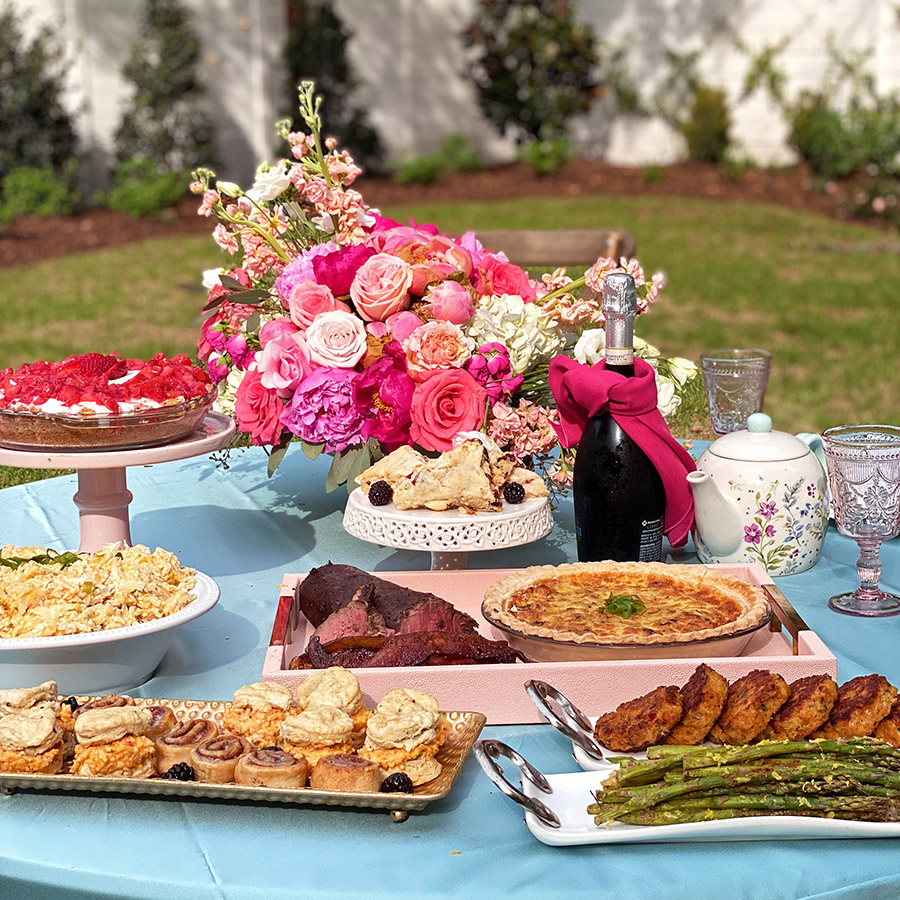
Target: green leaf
{"type": "Point", "coordinates": [311, 451]}
{"type": "Point", "coordinates": [624, 605]}
{"type": "Point", "coordinates": [346, 466]}
{"type": "Point", "coordinates": [275, 458]}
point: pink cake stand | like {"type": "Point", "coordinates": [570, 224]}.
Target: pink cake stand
{"type": "Point", "coordinates": [103, 496]}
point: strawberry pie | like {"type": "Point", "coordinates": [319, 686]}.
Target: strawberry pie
{"type": "Point", "coordinates": [101, 402]}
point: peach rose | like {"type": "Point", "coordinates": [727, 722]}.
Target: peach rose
{"type": "Point", "coordinates": [380, 287]}
{"type": "Point", "coordinates": [436, 345]}
{"type": "Point", "coordinates": [446, 402]}
{"type": "Point", "coordinates": [308, 299]}
{"type": "Point", "coordinates": [336, 339]}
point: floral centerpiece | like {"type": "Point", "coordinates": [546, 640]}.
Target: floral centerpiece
{"type": "Point", "coordinates": [354, 334]}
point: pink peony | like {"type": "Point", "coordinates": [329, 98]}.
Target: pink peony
{"type": "Point", "coordinates": [450, 301]}
{"type": "Point", "coordinates": [385, 390]}
{"type": "Point", "coordinates": [337, 268]}
{"type": "Point", "coordinates": [381, 287]}
{"type": "Point", "coordinates": [436, 345]}
{"type": "Point", "coordinates": [323, 410]}
{"type": "Point", "coordinates": [258, 410]}
{"type": "Point", "coordinates": [283, 363]}
{"type": "Point", "coordinates": [276, 328]}
{"type": "Point", "coordinates": [402, 324]}
{"type": "Point", "coordinates": [447, 402]}
{"type": "Point", "coordinates": [308, 299]}
{"type": "Point", "coordinates": [492, 369]}
{"type": "Point", "coordinates": [336, 339]}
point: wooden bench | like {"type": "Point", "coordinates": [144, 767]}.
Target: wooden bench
{"type": "Point", "coordinates": [564, 247]}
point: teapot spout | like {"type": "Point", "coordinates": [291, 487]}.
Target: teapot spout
{"type": "Point", "coordinates": [717, 517]}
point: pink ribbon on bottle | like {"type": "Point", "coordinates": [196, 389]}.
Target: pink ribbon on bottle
{"type": "Point", "coordinates": [583, 391]}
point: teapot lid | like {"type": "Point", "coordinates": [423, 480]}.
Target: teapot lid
{"type": "Point", "coordinates": [759, 443]}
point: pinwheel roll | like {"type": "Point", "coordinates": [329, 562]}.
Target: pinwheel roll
{"type": "Point", "coordinates": [215, 759]}
{"type": "Point", "coordinates": [271, 767]}
{"type": "Point", "coordinates": [176, 746]}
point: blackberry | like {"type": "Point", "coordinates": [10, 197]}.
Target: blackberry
{"type": "Point", "coordinates": [179, 772]}
{"type": "Point", "coordinates": [513, 492]}
{"type": "Point", "coordinates": [380, 493]}
{"type": "Point", "coordinates": [398, 783]}
{"type": "Point", "coordinates": [72, 703]}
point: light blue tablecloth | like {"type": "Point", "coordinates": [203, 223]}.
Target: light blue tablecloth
{"type": "Point", "coordinates": [246, 531]}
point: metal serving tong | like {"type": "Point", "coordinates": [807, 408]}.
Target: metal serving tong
{"type": "Point", "coordinates": [488, 751]}
{"type": "Point", "coordinates": [565, 717]}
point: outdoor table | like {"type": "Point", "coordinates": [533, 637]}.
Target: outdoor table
{"type": "Point", "coordinates": [246, 531]}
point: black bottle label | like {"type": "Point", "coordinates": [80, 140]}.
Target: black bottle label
{"type": "Point", "coordinates": [651, 541]}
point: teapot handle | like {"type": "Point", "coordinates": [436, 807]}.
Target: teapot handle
{"type": "Point", "coordinates": [814, 442]}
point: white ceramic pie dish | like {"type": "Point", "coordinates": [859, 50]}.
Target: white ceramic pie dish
{"type": "Point", "coordinates": [101, 661]}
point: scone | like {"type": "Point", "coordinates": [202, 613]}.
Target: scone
{"type": "Point", "coordinates": [31, 741]}
{"type": "Point", "coordinates": [42, 696]}
{"type": "Point", "coordinates": [257, 711]}
{"type": "Point", "coordinates": [337, 687]}
{"type": "Point", "coordinates": [271, 767]}
{"type": "Point", "coordinates": [113, 741]}
{"type": "Point", "coordinates": [316, 732]}
{"type": "Point", "coordinates": [405, 734]}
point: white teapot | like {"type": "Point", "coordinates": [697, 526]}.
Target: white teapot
{"type": "Point", "coordinates": [760, 496]}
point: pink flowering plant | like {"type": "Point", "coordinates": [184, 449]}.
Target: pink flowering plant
{"type": "Point", "coordinates": [354, 334]}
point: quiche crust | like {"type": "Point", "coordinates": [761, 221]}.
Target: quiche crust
{"type": "Point", "coordinates": [680, 603]}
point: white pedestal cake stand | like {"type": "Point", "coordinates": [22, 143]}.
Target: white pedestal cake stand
{"type": "Point", "coordinates": [450, 535]}
{"type": "Point", "coordinates": [103, 496]}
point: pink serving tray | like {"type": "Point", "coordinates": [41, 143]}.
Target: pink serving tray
{"type": "Point", "coordinates": [595, 687]}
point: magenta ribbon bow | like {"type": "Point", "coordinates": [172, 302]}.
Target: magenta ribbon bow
{"type": "Point", "coordinates": [583, 391]}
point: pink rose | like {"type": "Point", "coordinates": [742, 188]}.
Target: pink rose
{"type": "Point", "coordinates": [283, 364]}
{"type": "Point", "coordinates": [276, 328]}
{"type": "Point", "coordinates": [336, 339]}
{"type": "Point", "coordinates": [449, 300]}
{"type": "Point", "coordinates": [402, 324]}
{"type": "Point", "coordinates": [308, 299]}
{"type": "Point", "coordinates": [258, 410]}
{"type": "Point", "coordinates": [447, 402]}
{"type": "Point", "coordinates": [381, 287]}
{"type": "Point", "coordinates": [436, 345]}
{"type": "Point", "coordinates": [499, 277]}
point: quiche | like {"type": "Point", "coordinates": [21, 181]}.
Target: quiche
{"type": "Point", "coordinates": [613, 603]}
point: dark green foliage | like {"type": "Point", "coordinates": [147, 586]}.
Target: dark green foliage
{"type": "Point", "coordinates": [546, 156]}
{"type": "Point", "coordinates": [35, 128]}
{"type": "Point", "coordinates": [33, 190]}
{"type": "Point", "coordinates": [706, 128]}
{"type": "Point", "coordinates": [456, 155]}
{"type": "Point", "coordinates": [535, 67]}
{"type": "Point", "coordinates": [167, 122]}
{"type": "Point", "coordinates": [316, 50]}
{"type": "Point", "coordinates": [143, 187]}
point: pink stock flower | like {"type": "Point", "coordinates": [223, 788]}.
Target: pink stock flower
{"type": "Point", "coordinates": [323, 410]}
{"type": "Point", "coordinates": [225, 239]}
{"type": "Point", "coordinates": [308, 299]}
{"type": "Point", "coordinates": [450, 301]}
{"type": "Point", "coordinates": [525, 430]}
{"type": "Point", "coordinates": [258, 410]}
{"type": "Point", "coordinates": [283, 363]}
{"type": "Point", "coordinates": [447, 402]}
{"type": "Point", "coordinates": [490, 366]}
{"type": "Point", "coordinates": [436, 345]}
{"type": "Point", "coordinates": [381, 287]}
{"type": "Point", "coordinates": [385, 391]}
{"type": "Point", "coordinates": [336, 339]}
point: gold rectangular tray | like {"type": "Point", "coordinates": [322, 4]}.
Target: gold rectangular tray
{"type": "Point", "coordinates": [464, 730]}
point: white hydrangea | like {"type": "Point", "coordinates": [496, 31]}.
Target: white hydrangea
{"type": "Point", "coordinates": [529, 335]}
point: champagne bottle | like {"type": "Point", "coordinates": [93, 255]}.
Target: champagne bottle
{"type": "Point", "coordinates": [618, 494]}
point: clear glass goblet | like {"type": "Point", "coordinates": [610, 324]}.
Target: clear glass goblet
{"type": "Point", "coordinates": [863, 464]}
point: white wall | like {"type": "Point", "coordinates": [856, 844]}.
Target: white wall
{"type": "Point", "coordinates": [410, 58]}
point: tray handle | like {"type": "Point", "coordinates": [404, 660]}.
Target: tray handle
{"type": "Point", "coordinates": [565, 717]}
{"type": "Point", "coordinates": [488, 751]}
{"type": "Point", "coordinates": [785, 615]}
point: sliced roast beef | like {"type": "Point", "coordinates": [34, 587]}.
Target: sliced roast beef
{"type": "Point", "coordinates": [434, 614]}
{"type": "Point", "coordinates": [416, 648]}
{"type": "Point", "coordinates": [331, 587]}
{"type": "Point", "coordinates": [358, 617]}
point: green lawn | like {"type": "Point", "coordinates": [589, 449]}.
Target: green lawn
{"type": "Point", "coordinates": [821, 295]}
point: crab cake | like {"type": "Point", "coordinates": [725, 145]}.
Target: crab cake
{"type": "Point", "coordinates": [888, 729]}
{"type": "Point", "coordinates": [702, 700]}
{"type": "Point", "coordinates": [861, 704]}
{"type": "Point", "coordinates": [807, 708]}
{"type": "Point", "coordinates": [638, 723]}
{"type": "Point", "coordinates": [751, 703]}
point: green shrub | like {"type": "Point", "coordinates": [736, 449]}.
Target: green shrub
{"type": "Point", "coordinates": [142, 187]}
{"type": "Point", "coordinates": [37, 191]}
{"type": "Point", "coordinates": [455, 155]}
{"type": "Point", "coordinates": [166, 122]}
{"type": "Point", "coordinates": [546, 156]}
{"type": "Point", "coordinates": [534, 66]}
{"type": "Point", "coordinates": [707, 125]}
{"type": "Point", "coordinates": [820, 135]}
{"type": "Point", "coordinates": [35, 128]}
